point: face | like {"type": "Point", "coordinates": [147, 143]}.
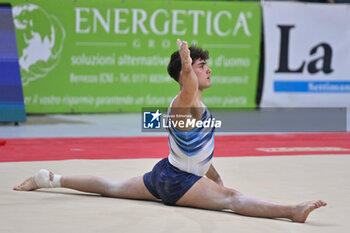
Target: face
{"type": "Point", "coordinates": [203, 73]}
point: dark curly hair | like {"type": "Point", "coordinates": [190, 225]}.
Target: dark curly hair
{"type": "Point", "coordinates": [174, 66]}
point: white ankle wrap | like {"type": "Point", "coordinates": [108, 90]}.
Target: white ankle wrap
{"type": "Point", "coordinates": [42, 179]}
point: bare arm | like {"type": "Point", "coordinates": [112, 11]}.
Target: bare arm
{"type": "Point", "coordinates": [214, 175]}
{"type": "Point", "coordinates": [188, 79]}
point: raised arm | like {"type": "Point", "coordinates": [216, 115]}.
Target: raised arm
{"type": "Point", "coordinates": [188, 79]}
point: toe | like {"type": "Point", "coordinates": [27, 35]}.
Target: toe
{"type": "Point", "coordinates": [320, 203]}
{"type": "Point", "coordinates": [17, 188]}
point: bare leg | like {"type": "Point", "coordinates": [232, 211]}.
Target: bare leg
{"type": "Point", "coordinates": [133, 188]}
{"type": "Point", "coordinates": [208, 195]}
{"type": "Point", "coordinates": [204, 194]}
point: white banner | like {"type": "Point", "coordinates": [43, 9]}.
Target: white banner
{"type": "Point", "coordinates": [307, 55]}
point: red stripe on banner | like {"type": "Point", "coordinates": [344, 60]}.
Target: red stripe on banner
{"type": "Point", "coordinates": [45, 149]}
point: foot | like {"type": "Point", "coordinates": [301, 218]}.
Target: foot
{"type": "Point", "coordinates": [302, 211]}
{"type": "Point", "coordinates": [28, 185]}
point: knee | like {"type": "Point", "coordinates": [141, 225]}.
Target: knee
{"type": "Point", "coordinates": [111, 188]}
{"type": "Point", "coordinates": [232, 193]}
{"type": "Point", "coordinates": [234, 198]}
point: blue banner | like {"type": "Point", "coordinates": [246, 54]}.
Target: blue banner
{"type": "Point", "coordinates": [11, 94]}
{"type": "Point", "coordinates": [312, 86]}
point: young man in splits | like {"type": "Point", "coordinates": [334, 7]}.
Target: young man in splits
{"type": "Point", "coordinates": [186, 177]}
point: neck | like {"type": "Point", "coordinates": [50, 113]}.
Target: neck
{"type": "Point", "coordinates": [199, 95]}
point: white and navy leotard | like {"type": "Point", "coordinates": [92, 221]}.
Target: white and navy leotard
{"type": "Point", "coordinates": [192, 150]}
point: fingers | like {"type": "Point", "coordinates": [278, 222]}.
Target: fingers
{"type": "Point", "coordinates": [184, 51]}
{"type": "Point", "coordinates": [182, 43]}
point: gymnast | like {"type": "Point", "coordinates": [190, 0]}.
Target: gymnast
{"type": "Point", "coordinates": [187, 176]}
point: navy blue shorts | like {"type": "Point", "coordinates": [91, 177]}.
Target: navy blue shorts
{"type": "Point", "coordinates": [168, 183]}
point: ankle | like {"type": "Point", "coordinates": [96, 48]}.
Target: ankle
{"type": "Point", "coordinates": [292, 212]}
{"type": "Point", "coordinates": [46, 179]}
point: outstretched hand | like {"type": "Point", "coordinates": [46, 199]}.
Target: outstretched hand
{"type": "Point", "coordinates": [185, 53]}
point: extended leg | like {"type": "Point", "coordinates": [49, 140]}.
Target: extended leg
{"type": "Point", "coordinates": [208, 195]}
{"type": "Point", "coordinates": [133, 188]}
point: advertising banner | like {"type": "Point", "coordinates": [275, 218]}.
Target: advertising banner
{"type": "Point", "coordinates": [307, 54]}
{"type": "Point", "coordinates": [112, 56]}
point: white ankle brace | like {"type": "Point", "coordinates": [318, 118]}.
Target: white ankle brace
{"type": "Point", "coordinates": [42, 179]}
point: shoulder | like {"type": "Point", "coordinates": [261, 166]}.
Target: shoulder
{"type": "Point", "coordinates": [179, 102]}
